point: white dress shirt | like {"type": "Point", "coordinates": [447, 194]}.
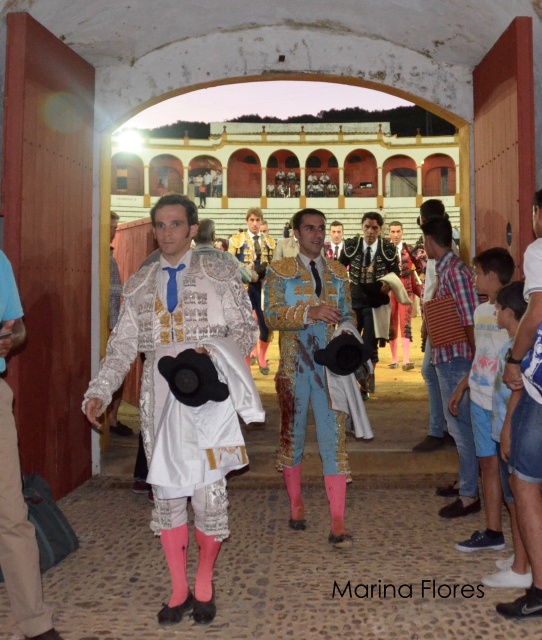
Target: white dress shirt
{"type": "Point", "coordinates": [372, 247]}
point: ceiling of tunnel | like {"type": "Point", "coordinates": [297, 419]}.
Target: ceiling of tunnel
{"type": "Point", "coordinates": [105, 33]}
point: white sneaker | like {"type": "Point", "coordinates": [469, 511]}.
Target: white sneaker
{"type": "Point", "coordinates": [508, 579]}
{"type": "Point", "coordinates": [505, 563]}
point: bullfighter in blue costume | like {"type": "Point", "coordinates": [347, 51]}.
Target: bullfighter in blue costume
{"type": "Point", "coordinates": [305, 299]}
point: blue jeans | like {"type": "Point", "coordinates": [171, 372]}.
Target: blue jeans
{"type": "Point", "coordinates": [449, 375]}
{"type": "Point", "coordinates": [526, 448]}
{"type": "Point", "coordinates": [436, 412]}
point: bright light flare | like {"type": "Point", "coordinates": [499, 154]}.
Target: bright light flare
{"type": "Point", "coordinates": [129, 140]}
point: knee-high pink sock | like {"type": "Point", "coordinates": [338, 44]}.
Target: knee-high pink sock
{"type": "Point", "coordinates": [247, 360]}
{"type": "Point", "coordinates": [292, 480]}
{"type": "Point", "coordinates": [208, 552]}
{"type": "Point", "coordinates": [336, 494]}
{"type": "Point", "coordinates": [406, 350]}
{"type": "Point", "coordinates": [262, 353]}
{"type": "Point", "coordinates": [175, 545]}
{"type": "Point", "coordinates": [393, 347]}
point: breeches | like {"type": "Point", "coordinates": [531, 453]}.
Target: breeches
{"type": "Point", "coordinates": [210, 506]}
{"type": "Point", "coordinates": [366, 327]}
{"type": "Point", "coordinates": [401, 317]}
{"type": "Point", "coordinates": [309, 388]}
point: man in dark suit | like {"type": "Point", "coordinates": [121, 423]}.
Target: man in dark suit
{"type": "Point", "coordinates": [370, 257]}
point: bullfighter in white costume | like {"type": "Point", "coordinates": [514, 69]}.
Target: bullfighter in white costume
{"type": "Point", "coordinates": [186, 300]}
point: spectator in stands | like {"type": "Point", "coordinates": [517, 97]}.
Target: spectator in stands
{"type": "Point", "coordinates": [218, 184]}
{"type": "Point", "coordinates": [287, 231]}
{"type": "Point", "coordinates": [208, 181]}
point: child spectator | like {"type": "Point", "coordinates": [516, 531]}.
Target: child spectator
{"type": "Point", "coordinates": [493, 269]}
{"type": "Point", "coordinates": [515, 571]}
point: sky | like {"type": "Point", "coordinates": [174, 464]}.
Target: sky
{"type": "Point", "coordinates": [273, 98]}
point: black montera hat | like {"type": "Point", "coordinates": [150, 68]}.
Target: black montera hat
{"type": "Point", "coordinates": [192, 378]}
{"type": "Point", "coordinates": [342, 356]}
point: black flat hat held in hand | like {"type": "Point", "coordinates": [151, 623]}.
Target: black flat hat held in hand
{"type": "Point", "coordinates": [192, 378]}
{"type": "Point", "coordinates": [342, 356]}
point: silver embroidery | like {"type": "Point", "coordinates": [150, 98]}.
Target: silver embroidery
{"type": "Point", "coordinates": [216, 510]}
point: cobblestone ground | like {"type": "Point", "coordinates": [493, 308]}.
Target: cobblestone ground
{"type": "Point", "coordinates": [272, 582]}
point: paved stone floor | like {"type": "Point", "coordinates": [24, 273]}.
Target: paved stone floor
{"type": "Point", "coordinates": [272, 582]}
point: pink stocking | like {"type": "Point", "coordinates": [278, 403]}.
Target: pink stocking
{"type": "Point", "coordinates": [208, 552]}
{"type": "Point", "coordinates": [247, 360]}
{"type": "Point", "coordinates": [406, 350]}
{"type": "Point", "coordinates": [292, 480]}
{"type": "Point", "coordinates": [175, 545]}
{"type": "Point", "coordinates": [393, 347]}
{"type": "Point", "coordinates": [262, 348]}
{"type": "Point", "coordinates": [336, 494]}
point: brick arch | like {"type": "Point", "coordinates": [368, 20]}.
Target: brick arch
{"type": "Point", "coordinates": [399, 174]}
{"type": "Point", "coordinates": [127, 174]}
{"type": "Point", "coordinates": [165, 174]}
{"type": "Point", "coordinates": [244, 174]}
{"type": "Point", "coordinates": [438, 176]}
{"type": "Point", "coordinates": [361, 171]}
{"type": "Point", "coordinates": [282, 160]}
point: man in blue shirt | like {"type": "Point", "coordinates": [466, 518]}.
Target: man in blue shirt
{"type": "Point", "coordinates": [19, 556]}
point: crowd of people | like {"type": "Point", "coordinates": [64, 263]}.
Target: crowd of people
{"type": "Point", "coordinates": [202, 316]}
{"type": "Point", "coordinates": [287, 185]}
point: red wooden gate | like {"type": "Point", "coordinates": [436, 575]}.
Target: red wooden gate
{"type": "Point", "coordinates": [47, 205]}
{"type": "Point", "coordinates": [504, 152]}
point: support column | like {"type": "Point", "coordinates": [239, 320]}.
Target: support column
{"type": "Point", "coordinates": [341, 196]}
{"type": "Point", "coordinates": [379, 187]}
{"type": "Point", "coordinates": [419, 196]}
{"type": "Point", "coordinates": [263, 190]}
{"type": "Point", "coordinates": [302, 172]}
{"type": "Point", "coordinates": [224, 202]}
{"type": "Point", "coordinates": [457, 199]}
{"type": "Point", "coordinates": [146, 187]}
{"type": "Point", "coordinates": [185, 180]}
{"type": "Point", "coordinates": [224, 181]}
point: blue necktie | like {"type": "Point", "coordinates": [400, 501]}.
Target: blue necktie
{"type": "Point", "coordinates": [172, 293]}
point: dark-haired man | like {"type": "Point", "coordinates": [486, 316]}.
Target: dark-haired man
{"type": "Point", "coordinates": [401, 315]}
{"type": "Point", "coordinates": [187, 299]}
{"type": "Point", "coordinates": [435, 438]}
{"type": "Point", "coordinates": [334, 248]}
{"type": "Point", "coordinates": [370, 258]}
{"type": "Point", "coordinates": [305, 299]}
{"type": "Point", "coordinates": [453, 361]}
{"type": "Point", "coordinates": [255, 250]}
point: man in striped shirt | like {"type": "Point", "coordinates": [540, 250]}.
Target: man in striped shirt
{"type": "Point", "coordinates": [453, 361]}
